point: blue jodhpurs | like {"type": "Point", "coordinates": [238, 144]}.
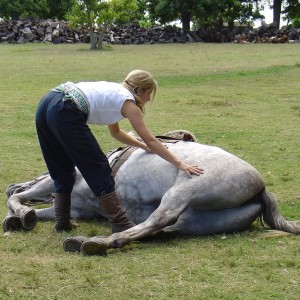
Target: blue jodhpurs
{"type": "Point", "coordinates": [67, 141]}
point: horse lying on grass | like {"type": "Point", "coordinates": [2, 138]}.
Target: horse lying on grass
{"type": "Point", "coordinates": [227, 198]}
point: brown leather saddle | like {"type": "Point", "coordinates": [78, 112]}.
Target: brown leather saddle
{"type": "Point", "coordinates": [126, 151]}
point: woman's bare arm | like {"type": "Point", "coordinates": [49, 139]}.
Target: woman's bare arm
{"type": "Point", "coordinates": [136, 118]}
{"type": "Point", "coordinates": [125, 138]}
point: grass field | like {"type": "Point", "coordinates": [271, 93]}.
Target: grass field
{"type": "Point", "coordinates": [243, 98]}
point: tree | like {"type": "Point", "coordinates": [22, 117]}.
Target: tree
{"type": "Point", "coordinates": [292, 10]}
{"type": "Point", "coordinates": [86, 12]}
{"type": "Point", "coordinates": [23, 8]}
{"type": "Point", "coordinates": [59, 8]}
{"type": "Point", "coordinates": [202, 12]}
{"type": "Point", "coordinates": [166, 11]}
{"type": "Point", "coordinates": [123, 11]}
{"type": "Point", "coordinates": [277, 12]}
{"type": "Point", "coordinates": [98, 14]}
{"type": "Point", "coordinates": [34, 8]}
{"type": "Point", "coordinates": [216, 13]}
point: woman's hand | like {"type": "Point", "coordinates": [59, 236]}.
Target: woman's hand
{"type": "Point", "coordinates": [191, 170]}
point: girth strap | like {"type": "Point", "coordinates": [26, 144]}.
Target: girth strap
{"type": "Point", "coordinates": [118, 161]}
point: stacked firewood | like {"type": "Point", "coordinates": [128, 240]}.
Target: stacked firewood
{"type": "Point", "coordinates": [57, 32]}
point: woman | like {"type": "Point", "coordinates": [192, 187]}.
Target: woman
{"type": "Point", "coordinates": [67, 141]}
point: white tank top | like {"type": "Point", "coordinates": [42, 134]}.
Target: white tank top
{"type": "Point", "coordinates": [105, 101]}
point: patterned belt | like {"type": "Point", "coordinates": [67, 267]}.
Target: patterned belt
{"type": "Point", "coordinates": [73, 93]}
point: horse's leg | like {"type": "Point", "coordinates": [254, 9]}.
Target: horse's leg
{"type": "Point", "coordinates": [16, 202]}
{"type": "Point", "coordinates": [45, 213]}
{"type": "Point", "coordinates": [11, 222]}
{"type": "Point", "coordinates": [202, 222]}
{"type": "Point", "coordinates": [27, 215]}
{"type": "Point", "coordinates": [172, 205]}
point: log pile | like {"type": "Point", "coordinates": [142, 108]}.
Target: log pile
{"type": "Point", "coordinates": [269, 34]}
{"type": "Point", "coordinates": [57, 32]}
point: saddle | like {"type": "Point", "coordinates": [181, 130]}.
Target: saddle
{"type": "Point", "coordinates": [126, 151]}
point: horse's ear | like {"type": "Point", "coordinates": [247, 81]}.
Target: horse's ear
{"type": "Point", "coordinates": [188, 137]}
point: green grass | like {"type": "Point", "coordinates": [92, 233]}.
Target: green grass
{"type": "Point", "coordinates": [243, 98]}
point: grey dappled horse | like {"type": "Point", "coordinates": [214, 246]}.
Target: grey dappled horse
{"type": "Point", "coordinates": [228, 197]}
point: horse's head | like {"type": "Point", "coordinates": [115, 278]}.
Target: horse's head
{"type": "Point", "coordinates": [181, 135]}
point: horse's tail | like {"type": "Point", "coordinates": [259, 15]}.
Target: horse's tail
{"type": "Point", "coordinates": [273, 217]}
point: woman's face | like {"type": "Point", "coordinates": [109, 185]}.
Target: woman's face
{"type": "Point", "coordinates": [144, 94]}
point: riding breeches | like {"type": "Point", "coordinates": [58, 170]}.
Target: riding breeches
{"type": "Point", "coordinates": [67, 141]}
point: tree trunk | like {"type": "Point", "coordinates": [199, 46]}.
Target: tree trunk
{"type": "Point", "coordinates": [92, 33]}
{"type": "Point", "coordinates": [100, 39]}
{"type": "Point", "coordinates": [277, 12]}
{"type": "Point", "coordinates": [185, 20]}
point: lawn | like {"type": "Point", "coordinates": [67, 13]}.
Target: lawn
{"type": "Point", "coordinates": [243, 98]}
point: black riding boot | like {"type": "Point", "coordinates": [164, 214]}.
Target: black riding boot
{"type": "Point", "coordinates": [115, 213]}
{"type": "Point", "coordinates": [62, 206]}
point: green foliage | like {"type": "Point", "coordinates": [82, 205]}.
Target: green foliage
{"type": "Point", "coordinates": [296, 23]}
{"type": "Point", "coordinates": [145, 23]}
{"type": "Point", "coordinates": [124, 11]}
{"type": "Point", "coordinates": [204, 13]}
{"type": "Point", "coordinates": [165, 11]}
{"type": "Point", "coordinates": [82, 11]}
{"type": "Point", "coordinates": [100, 14]}
{"type": "Point", "coordinates": [89, 13]}
{"type": "Point", "coordinates": [292, 9]}
{"type": "Point", "coordinates": [59, 8]}
{"type": "Point", "coordinates": [103, 13]}
{"type": "Point", "coordinates": [207, 13]}
{"type": "Point", "coordinates": [35, 8]}
{"type": "Point", "coordinates": [215, 13]}
{"type": "Point", "coordinates": [23, 8]}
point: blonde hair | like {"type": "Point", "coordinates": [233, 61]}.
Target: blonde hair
{"type": "Point", "coordinates": [140, 79]}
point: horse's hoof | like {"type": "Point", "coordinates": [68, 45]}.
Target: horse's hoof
{"type": "Point", "coordinates": [94, 246]}
{"type": "Point", "coordinates": [73, 244]}
{"type": "Point", "coordinates": [68, 226]}
{"type": "Point", "coordinates": [28, 219]}
{"type": "Point", "coordinates": [11, 223]}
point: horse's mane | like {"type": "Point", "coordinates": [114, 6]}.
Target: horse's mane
{"type": "Point", "coordinates": [183, 135]}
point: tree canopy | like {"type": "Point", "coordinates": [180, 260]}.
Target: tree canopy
{"type": "Point", "coordinates": [203, 12]}
{"type": "Point", "coordinates": [100, 13]}
{"type": "Point", "coordinates": [292, 10]}
{"type": "Point", "coordinates": [35, 8]}
{"type": "Point", "coordinates": [200, 12]}
{"type": "Point", "coordinates": [215, 12]}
